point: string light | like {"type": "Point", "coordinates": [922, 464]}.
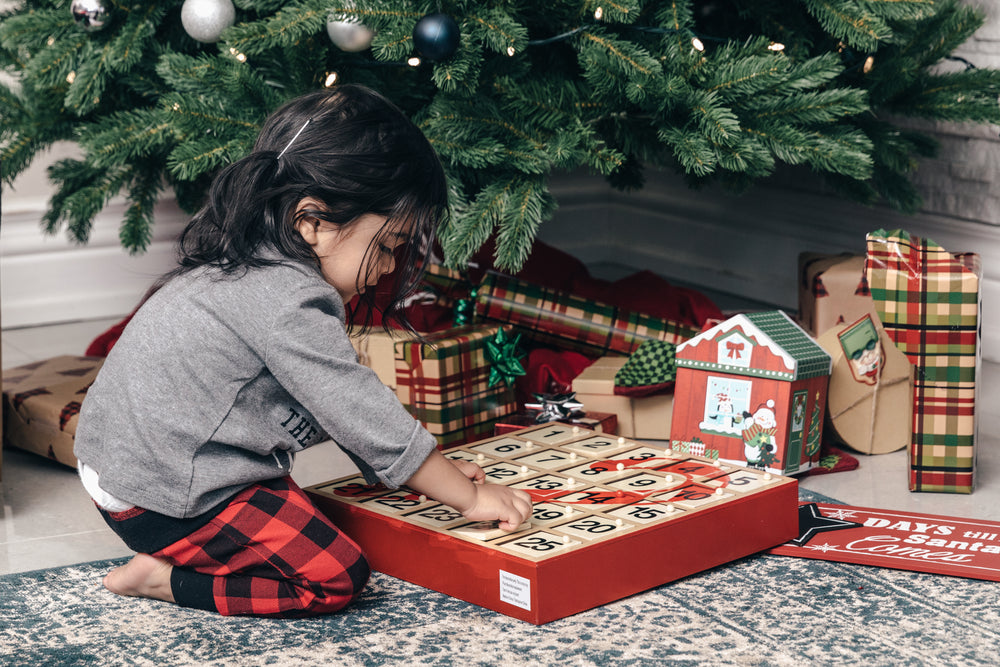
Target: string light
{"type": "Point", "coordinates": [510, 51]}
{"type": "Point", "coordinates": [71, 77]}
{"type": "Point", "coordinates": [331, 79]}
{"type": "Point", "coordinates": [236, 54]}
{"type": "Point", "coordinates": [413, 61]}
{"type": "Point", "coordinates": [776, 46]}
{"type": "Point", "coordinates": [869, 63]}
{"type": "Point", "coordinates": [697, 44]}
{"type": "Point", "coordinates": [599, 13]}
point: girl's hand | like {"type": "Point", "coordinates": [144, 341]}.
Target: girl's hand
{"type": "Point", "coordinates": [470, 470]}
{"type": "Point", "coordinates": [511, 507]}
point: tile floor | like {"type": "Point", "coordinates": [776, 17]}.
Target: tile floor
{"type": "Point", "coordinates": [48, 520]}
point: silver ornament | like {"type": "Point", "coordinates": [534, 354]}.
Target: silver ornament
{"type": "Point", "coordinates": [91, 15]}
{"type": "Point", "coordinates": [204, 20]}
{"type": "Point", "coordinates": [349, 34]}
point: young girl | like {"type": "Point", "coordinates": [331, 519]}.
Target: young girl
{"type": "Point", "coordinates": [240, 358]}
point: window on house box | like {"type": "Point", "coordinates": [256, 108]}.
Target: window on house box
{"type": "Point", "coordinates": [726, 399]}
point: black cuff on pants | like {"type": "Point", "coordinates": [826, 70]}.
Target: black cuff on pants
{"type": "Point", "coordinates": [192, 589]}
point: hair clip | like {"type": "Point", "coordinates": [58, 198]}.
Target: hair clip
{"type": "Point", "coordinates": [289, 145]}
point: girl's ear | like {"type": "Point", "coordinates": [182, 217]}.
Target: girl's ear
{"type": "Point", "coordinates": [305, 223]}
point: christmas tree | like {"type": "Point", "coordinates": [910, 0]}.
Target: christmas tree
{"type": "Point", "coordinates": [160, 95]}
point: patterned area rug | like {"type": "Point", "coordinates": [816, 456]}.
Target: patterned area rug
{"type": "Point", "coordinates": [762, 610]}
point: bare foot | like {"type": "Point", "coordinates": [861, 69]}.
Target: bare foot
{"type": "Point", "coordinates": [143, 576]}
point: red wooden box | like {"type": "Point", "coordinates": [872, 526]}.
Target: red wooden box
{"type": "Point", "coordinates": [612, 517]}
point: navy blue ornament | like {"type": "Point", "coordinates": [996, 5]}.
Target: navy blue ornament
{"type": "Point", "coordinates": [436, 36]}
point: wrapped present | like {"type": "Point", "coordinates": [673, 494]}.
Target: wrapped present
{"type": "Point", "coordinates": [870, 398]}
{"type": "Point", "coordinates": [752, 391]}
{"type": "Point", "coordinates": [929, 301]}
{"type": "Point", "coordinates": [451, 382]}
{"type": "Point", "coordinates": [41, 404]}
{"type": "Point", "coordinates": [377, 351]}
{"type": "Point", "coordinates": [833, 291]}
{"type": "Point", "coordinates": [646, 417]}
{"type": "Point", "coordinates": [570, 322]}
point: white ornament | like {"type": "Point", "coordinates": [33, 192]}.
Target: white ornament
{"type": "Point", "coordinates": [204, 20]}
{"type": "Point", "coordinates": [350, 34]}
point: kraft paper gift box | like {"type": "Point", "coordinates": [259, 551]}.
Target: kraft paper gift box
{"type": "Point", "coordinates": [833, 291]}
{"type": "Point", "coordinates": [930, 303]}
{"type": "Point", "coordinates": [445, 383]}
{"type": "Point", "coordinates": [41, 404]}
{"type": "Point", "coordinates": [566, 321]}
{"type": "Point", "coordinates": [870, 398]}
{"type": "Point", "coordinates": [645, 418]}
{"type": "Point", "coordinates": [377, 351]}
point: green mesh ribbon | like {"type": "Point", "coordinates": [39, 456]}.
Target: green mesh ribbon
{"type": "Point", "coordinates": [653, 362]}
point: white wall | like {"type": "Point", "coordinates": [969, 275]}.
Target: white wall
{"type": "Point", "coordinates": [46, 279]}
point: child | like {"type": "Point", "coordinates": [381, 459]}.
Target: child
{"type": "Point", "coordinates": [240, 357]}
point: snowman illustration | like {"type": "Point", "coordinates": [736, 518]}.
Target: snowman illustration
{"type": "Point", "coordinates": [759, 431]}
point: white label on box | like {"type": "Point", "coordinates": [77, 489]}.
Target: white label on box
{"type": "Point", "coordinates": [515, 590]}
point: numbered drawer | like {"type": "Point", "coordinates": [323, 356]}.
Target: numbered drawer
{"type": "Point", "coordinates": [694, 496]}
{"type": "Point", "coordinates": [539, 544]}
{"type": "Point", "coordinates": [594, 526]}
{"type": "Point", "coordinates": [647, 512]}
{"type": "Point", "coordinates": [547, 459]}
{"type": "Point", "coordinates": [504, 448]}
{"type": "Point", "coordinates": [598, 446]}
{"type": "Point", "coordinates": [397, 502]}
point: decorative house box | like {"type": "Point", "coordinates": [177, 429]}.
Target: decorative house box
{"type": "Point", "coordinates": [752, 391]}
{"type": "Point", "coordinates": [646, 418]}
{"type": "Point", "coordinates": [930, 302]}
{"type": "Point", "coordinates": [445, 383]}
{"type": "Point", "coordinates": [41, 403]}
{"type": "Point", "coordinates": [833, 291]}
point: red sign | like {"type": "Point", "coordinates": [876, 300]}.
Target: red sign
{"type": "Point", "coordinates": [901, 540]}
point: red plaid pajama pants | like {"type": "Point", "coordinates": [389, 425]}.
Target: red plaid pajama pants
{"type": "Point", "coordinates": [266, 552]}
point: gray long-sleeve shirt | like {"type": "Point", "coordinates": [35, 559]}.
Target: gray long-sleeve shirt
{"type": "Point", "coordinates": [217, 381]}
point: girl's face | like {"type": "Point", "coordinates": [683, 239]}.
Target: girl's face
{"type": "Point", "coordinates": [353, 257]}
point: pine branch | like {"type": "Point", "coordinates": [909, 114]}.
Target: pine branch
{"type": "Point", "coordinates": [847, 21]}
{"type": "Point", "coordinates": [528, 202]}
{"type": "Point", "coordinates": [136, 230]}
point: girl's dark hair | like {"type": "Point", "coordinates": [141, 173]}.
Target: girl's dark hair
{"type": "Point", "coordinates": [355, 152]}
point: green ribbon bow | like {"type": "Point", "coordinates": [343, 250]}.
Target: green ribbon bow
{"type": "Point", "coordinates": [505, 359]}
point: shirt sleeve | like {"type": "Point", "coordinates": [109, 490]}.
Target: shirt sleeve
{"type": "Point", "coordinates": [309, 353]}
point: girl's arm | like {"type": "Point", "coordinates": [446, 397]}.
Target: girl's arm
{"type": "Point", "coordinates": [460, 485]}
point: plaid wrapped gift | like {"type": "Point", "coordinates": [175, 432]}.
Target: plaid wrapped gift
{"type": "Point", "coordinates": [569, 322]}
{"type": "Point", "coordinates": [929, 301]}
{"type": "Point", "coordinates": [41, 404]}
{"type": "Point", "coordinates": [445, 384]}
